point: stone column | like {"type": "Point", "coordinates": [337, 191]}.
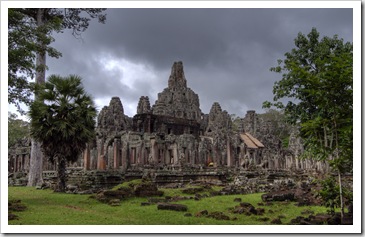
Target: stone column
{"type": "Point", "coordinates": [101, 162]}
{"type": "Point", "coordinates": [93, 158]}
{"type": "Point", "coordinates": [15, 163]}
{"type": "Point", "coordinates": [229, 155]}
{"type": "Point", "coordinates": [154, 151]}
{"type": "Point", "coordinates": [26, 164]}
{"type": "Point", "coordinates": [116, 153]}
{"type": "Point", "coordinates": [124, 155]}
{"type": "Point", "coordinates": [175, 153]}
{"type": "Point", "coordinates": [87, 157]}
{"type": "Point", "coordinates": [110, 157]}
{"type": "Point", "coordinates": [142, 154]}
{"type": "Point", "coordinates": [296, 163]}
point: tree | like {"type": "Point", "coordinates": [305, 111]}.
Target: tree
{"type": "Point", "coordinates": [23, 44]}
{"type": "Point", "coordinates": [317, 79]}
{"type": "Point", "coordinates": [236, 122]}
{"type": "Point", "coordinates": [30, 34]}
{"type": "Point", "coordinates": [29, 37]}
{"type": "Point", "coordinates": [63, 121]}
{"type": "Point", "coordinates": [17, 129]}
{"type": "Point", "coordinates": [279, 127]}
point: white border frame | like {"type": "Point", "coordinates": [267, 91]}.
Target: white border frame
{"type": "Point", "coordinates": [355, 228]}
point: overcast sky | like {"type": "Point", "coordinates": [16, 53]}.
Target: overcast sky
{"type": "Point", "coordinates": [227, 53]}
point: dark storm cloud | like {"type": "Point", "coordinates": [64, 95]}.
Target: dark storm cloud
{"type": "Point", "coordinates": [227, 53]}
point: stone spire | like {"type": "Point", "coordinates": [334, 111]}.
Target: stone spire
{"type": "Point", "coordinates": [215, 112]}
{"type": "Point", "coordinates": [116, 106]}
{"type": "Point", "coordinates": [111, 119]}
{"type": "Point", "coordinates": [177, 100]}
{"type": "Point", "coordinates": [143, 105]}
{"type": "Point", "coordinates": [219, 121]}
{"type": "Point", "coordinates": [177, 78]}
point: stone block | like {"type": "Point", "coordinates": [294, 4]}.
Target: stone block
{"type": "Point", "coordinates": [172, 207]}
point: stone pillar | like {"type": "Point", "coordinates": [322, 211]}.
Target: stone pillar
{"type": "Point", "coordinates": [154, 151]}
{"type": "Point", "coordinates": [110, 157]}
{"type": "Point", "coordinates": [87, 157]}
{"type": "Point", "coordinates": [138, 154]}
{"type": "Point", "coordinates": [27, 162]}
{"type": "Point", "coordinates": [167, 157]}
{"type": "Point", "coordinates": [296, 163]}
{"type": "Point", "coordinates": [174, 153]}
{"type": "Point", "coordinates": [116, 153]}
{"type": "Point", "coordinates": [93, 158]}
{"type": "Point", "coordinates": [229, 155]}
{"type": "Point", "coordinates": [143, 154]}
{"type": "Point", "coordinates": [15, 163]}
{"type": "Point", "coordinates": [124, 155]}
{"type": "Point", "coordinates": [215, 156]}
{"type": "Point", "coordinates": [101, 161]}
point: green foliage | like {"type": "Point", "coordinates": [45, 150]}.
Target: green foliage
{"type": "Point", "coordinates": [28, 36]}
{"type": "Point", "coordinates": [236, 122]}
{"type": "Point", "coordinates": [128, 184]}
{"type": "Point", "coordinates": [280, 127]}
{"type": "Point", "coordinates": [329, 194]}
{"type": "Point", "coordinates": [285, 142]}
{"type": "Point", "coordinates": [317, 76]}
{"type": "Point", "coordinates": [63, 121]}
{"type": "Point", "coordinates": [17, 129]}
{"type": "Point", "coordinates": [317, 79]}
{"type": "Point", "coordinates": [25, 40]}
{"type": "Point", "coordinates": [62, 117]}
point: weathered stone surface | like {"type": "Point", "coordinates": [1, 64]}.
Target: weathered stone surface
{"type": "Point", "coordinates": [264, 219]}
{"type": "Point", "coordinates": [144, 106]}
{"type": "Point", "coordinates": [218, 215]}
{"type": "Point", "coordinates": [237, 200]}
{"type": "Point", "coordinates": [192, 190]}
{"type": "Point", "coordinates": [16, 205]}
{"type": "Point", "coordinates": [111, 119]}
{"type": "Point", "coordinates": [147, 189]}
{"type": "Point", "coordinates": [12, 216]}
{"type": "Point", "coordinates": [322, 219]}
{"type": "Point", "coordinates": [177, 100]}
{"type": "Point", "coordinates": [245, 208]}
{"type": "Point", "coordinates": [201, 213]}
{"type": "Point", "coordinates": [145, 203]}
{"type": "Point", "coordinates": [157, 200]}
{"type": "Point", "coordinates": [260, 211]}
{"type": "Point", "coordinates": [278, 196]}
{"type": "Point", "coordinates": [173, 207]}
{"type": "Point", "coordinates": [114, 202]}
{"type": "Point", "coordinates": [276, 221]}
{"type": "Point", "coordinates": [116, 194]}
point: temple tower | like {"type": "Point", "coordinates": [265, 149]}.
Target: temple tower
{"type": "Point", "coordinates": [177, 100]}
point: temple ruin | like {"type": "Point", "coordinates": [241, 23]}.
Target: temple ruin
{"type": "Point", "coordinates": [175, 133]}
{"type": "Point", "coordinates": [174, 138]}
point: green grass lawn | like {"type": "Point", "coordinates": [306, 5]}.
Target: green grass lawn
{"type": "Point", "coordinates": [44, 207]}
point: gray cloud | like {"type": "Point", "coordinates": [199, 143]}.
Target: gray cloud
{"type": "Point", "coordinates": [226, 53]}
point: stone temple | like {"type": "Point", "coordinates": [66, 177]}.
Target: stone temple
{"type": "Point", "coordinates": [170, 134]}
{"type": "Point", "coordinates": [174, 133]}
{"type": "Point", "coordinates": [174, 141]}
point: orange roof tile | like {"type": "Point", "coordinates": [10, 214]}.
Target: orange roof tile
{"type": "Point", "coordinates": [247, 141]}
{"type": "Point", "coordinates": [257, 142]}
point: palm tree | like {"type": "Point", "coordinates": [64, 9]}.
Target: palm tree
{"type": "Point", "coordinates": [63, 120]}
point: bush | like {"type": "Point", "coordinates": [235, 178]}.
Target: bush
{"type": "Point", "coordinates": [329, 194]}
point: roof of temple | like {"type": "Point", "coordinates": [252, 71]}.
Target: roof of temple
{"type": "Point", "coordinates": [250, 141]}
